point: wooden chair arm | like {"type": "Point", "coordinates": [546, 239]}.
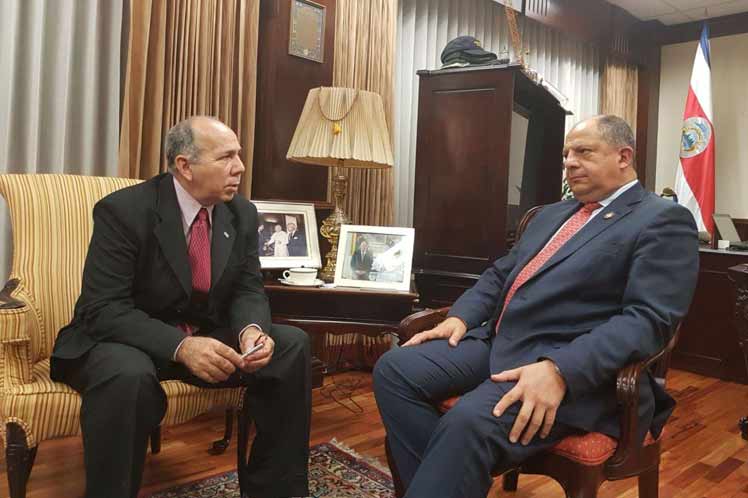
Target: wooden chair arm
{"type": "Point", "coordinates": [418, 322]}
{"type": "Point", "coordinates": [627, 392]}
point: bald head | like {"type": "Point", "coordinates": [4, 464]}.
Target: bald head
{"type": "Point", "coordinates": [184, 138]}
{"type": "Point", "coordinates": [203, 155]}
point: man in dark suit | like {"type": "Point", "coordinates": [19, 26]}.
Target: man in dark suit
{"type": "Point", "coordinates": [535, 345]}
{"type": "Point", "coordinates": [362, 261]}
{"type": "Point", "coordinates": [296, 240]}
{"type": "Point", "coordinates": [263, 236]}
{"type": "Point", "coordinates": [172, 290]}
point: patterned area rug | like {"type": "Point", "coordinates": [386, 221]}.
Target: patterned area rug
{"type": "Point", "coordinates": [334, 472]}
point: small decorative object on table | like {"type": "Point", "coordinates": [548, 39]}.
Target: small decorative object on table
{"type": "Point", "coordinates": [341, 128]}
{"type": "Point", "coordinates": [305, 277]}
{"type": "Point", "coordinates": [375, 257]}
{"type": "Point", "coordinates": [287, 235]}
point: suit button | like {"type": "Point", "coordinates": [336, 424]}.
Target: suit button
{"type": "Point", "coordinates": [179, 311]}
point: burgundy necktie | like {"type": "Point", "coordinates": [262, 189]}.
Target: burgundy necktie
{"type": "Point", "coordinates": [199, 252]}
{"type": "Point", "coordinates": [575, 223]}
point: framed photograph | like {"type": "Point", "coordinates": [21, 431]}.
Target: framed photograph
{"type": "Point", "coordinates": [307, 31]}
{"type": "Point", "coordinates": [374, 257]}
{"type": "Point", "coordinates": [287, 235]}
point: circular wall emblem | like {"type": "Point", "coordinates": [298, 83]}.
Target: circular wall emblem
{"type": "Point", "coordinates": [695, 136]}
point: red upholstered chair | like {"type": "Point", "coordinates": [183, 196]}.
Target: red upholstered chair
{"type": "Point", "coordinates": [580, 463]}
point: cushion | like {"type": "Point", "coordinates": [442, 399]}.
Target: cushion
{"type": "Point", "coordinates": [47, 409]}
{"type": "Point", "coordinates": [592, 448]}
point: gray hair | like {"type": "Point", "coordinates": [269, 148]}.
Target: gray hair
{"type": "Point", "coordinates": [180, 141]}
{"type": "Point", "coordinates": [616, 131]}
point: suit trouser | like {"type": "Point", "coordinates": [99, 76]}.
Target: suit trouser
{"type": "Point", "coordinates": [450, 455]}
{"type": "Point", "coordinates": [123, 402]}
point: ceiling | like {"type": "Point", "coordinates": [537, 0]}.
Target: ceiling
{"type": "Point", "coordinates": [681, 11]}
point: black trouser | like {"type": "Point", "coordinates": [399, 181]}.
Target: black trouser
{"type": "Point", "coordinates": [123, 402]}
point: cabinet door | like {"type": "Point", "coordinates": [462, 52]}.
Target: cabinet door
{"type": "Point", "coordinates": [462, 161]}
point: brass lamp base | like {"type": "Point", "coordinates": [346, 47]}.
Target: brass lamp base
{"type": "Point", "coordinates": [331, 227]}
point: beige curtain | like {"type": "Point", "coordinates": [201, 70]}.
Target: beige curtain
{"type": "Point", "coordinates": [619, 89]}
{"type": "Point", "coordinates": [59, 92]}
{"type": "Point", "coordinates": [364, 59]}
{"type": "Point", "coordinates": [185, 58]}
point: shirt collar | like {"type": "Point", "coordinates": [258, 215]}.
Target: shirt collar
{"type": "Point", "coordinates": [615, 195]}
{"type": "Point", "coordinates": [189, 206]}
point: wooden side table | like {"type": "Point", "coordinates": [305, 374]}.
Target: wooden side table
{"type": "Point", "coordinates": [739, 276]}
{"type": "Point", "coordinates": [340, 310]}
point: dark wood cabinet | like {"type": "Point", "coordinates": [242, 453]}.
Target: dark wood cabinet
{"type": "Point", "coordinates": [709, 341]}
{"type": "Point", "coordinates": [340, 310]}
{"type": "Point", "coordinates": [489, 147]}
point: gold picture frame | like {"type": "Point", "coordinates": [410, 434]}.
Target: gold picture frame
{"type": "Point", "coordinates": [307, 30]}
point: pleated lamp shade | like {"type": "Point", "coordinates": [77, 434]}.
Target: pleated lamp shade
{"type": "Point", "coordinates": [342, 124]}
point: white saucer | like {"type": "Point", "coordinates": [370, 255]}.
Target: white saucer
{"type": "Point", "coordinates": [317, 283]}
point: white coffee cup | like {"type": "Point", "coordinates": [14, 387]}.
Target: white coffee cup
{"type": "Point", "coordinates": [723, 244]}
{"type": "Point", "coordinates": [301, 276]}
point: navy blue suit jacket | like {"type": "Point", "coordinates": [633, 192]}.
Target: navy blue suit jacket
{"type": "Point", "coordinates": [612, 295]}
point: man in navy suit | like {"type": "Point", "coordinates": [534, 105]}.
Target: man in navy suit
{"type": "Point", "coordinates": [296, 240]}
{"type": "Point", "coordinates": [535, 345]}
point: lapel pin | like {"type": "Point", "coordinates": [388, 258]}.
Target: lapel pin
{"type": "Point", "coordinates": [608, 216]}
{"type": "Point", "coordinates": [225, 234]}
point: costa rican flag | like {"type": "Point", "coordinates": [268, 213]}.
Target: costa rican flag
{"type": "Point", "coordinates": [694, 177]}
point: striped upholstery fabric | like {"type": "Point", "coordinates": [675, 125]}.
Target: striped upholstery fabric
{"type": "Point", "coordinates": [51, 216]}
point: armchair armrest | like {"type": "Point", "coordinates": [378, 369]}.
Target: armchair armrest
{"type": "Point", "coordinates": [16, 325]}
{"type": "Point", "coordinates": [418, 322]}
{"type": "Point", "coordinates": [627, 392]}
{"type": "Point", "coordinates": [6, 300]}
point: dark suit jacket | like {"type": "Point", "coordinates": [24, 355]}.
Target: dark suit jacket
{"type": "Point", "coordinates": [137, 277]}
{"type": "Point", "coordinates": [297, 244]}
{"type": "Point", "coordinates": [361, 264]}
{"type": "Point", "coordinates": [611, 295]}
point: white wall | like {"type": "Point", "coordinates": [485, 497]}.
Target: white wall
{"type": "Point", "coordinates": [729, 59]}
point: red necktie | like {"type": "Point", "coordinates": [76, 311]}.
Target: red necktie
{"type": "Point", "coordinates": [199, 252]}
{"type": "Point", "coordinates": [575, 223]}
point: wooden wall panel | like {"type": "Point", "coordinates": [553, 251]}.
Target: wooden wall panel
{"type": "Point", "coordinates": [564, 16]}
{"type": "Point", "coordinates": [718, 26]}
{"type": "Point", "coordinates": [283, 83]}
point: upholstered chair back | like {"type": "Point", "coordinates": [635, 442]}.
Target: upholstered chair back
{"type": "Point", "coordinates": [51, 219]}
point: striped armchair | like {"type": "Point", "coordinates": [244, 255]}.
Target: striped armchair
{"type": "Point", "coordinates": [52, 223]}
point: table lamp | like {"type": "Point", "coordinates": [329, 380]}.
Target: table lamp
{"type": "Point", "coordinates": [342, 128]}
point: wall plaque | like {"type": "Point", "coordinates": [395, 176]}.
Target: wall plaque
{"type": "Point", "coordinates": [307, 31]}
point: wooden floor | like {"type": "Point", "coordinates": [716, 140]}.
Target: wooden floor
{"type": "Point", "coordinates": [704, 454]}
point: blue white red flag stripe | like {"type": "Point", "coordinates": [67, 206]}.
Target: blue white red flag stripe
{"type": "Point", "coordinates": [694, 177]}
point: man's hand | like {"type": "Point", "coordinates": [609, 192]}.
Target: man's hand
{"type": "Point", "coordinates": [209, 359]}
{"type": "Point", "coordinates": [259, 358]}
{"type": "Point", "coordinates": [540, 388]}
{"type": "Point", "coordinates": [452, 328]}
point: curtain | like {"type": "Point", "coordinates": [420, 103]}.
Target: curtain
{"type": "Point", "coordinates": [620, 83]}
{"type": "Point", "coordinates": [364, 59]}
{"type": "Point", "coordinates": [423, 29]}
{"type": "Point", "coordinates": [185, 58]}
{"type": "Point", "coordinates": [60, 93]}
